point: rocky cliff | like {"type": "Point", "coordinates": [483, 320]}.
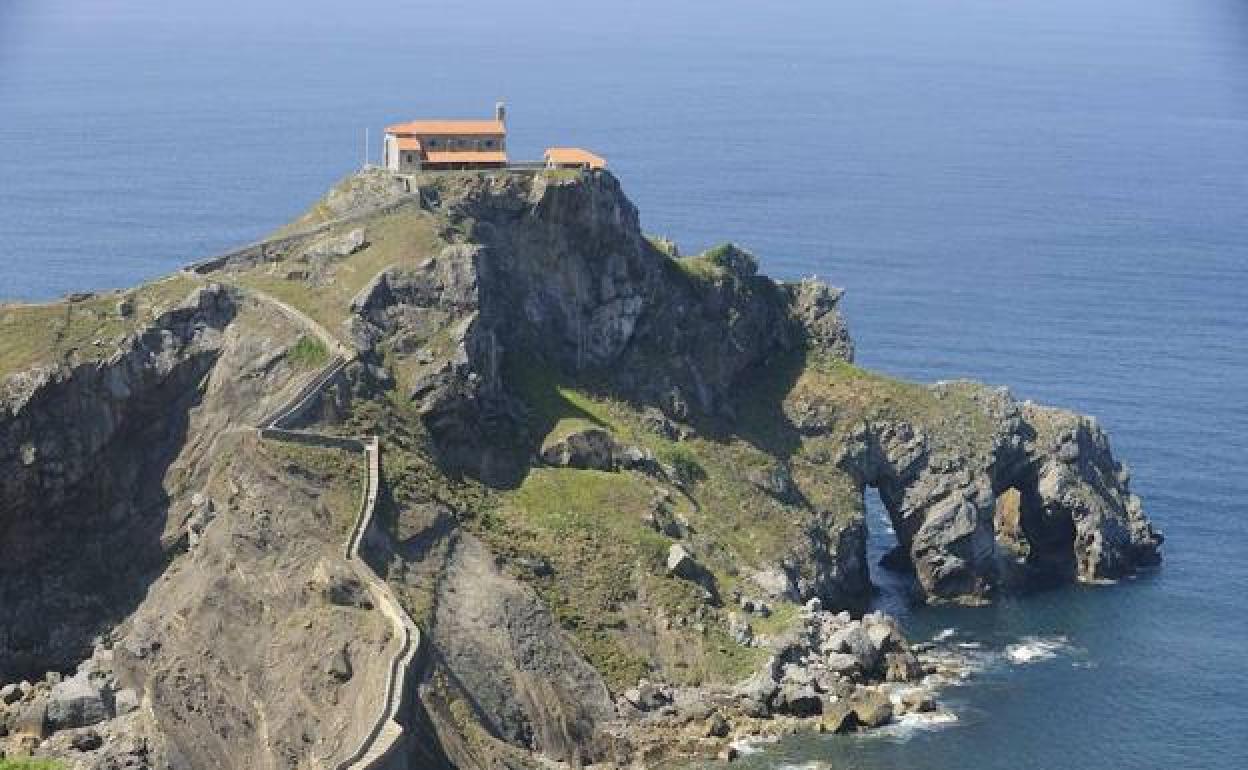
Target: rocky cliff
{"type": "Point", "coordinates": [623, 491]}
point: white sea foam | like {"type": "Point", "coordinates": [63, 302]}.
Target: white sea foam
{"type": "Point", "coordinates": [944, 635]}
{"type": "Point", "coordinates": [1033, 649]}
{"type": "Point", "coordinates": [908, 724]}
{"type": "Point", "coordinates": [750, 745]}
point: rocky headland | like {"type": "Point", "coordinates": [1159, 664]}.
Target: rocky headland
{"type": "Point", "coordinates": [619, 498]}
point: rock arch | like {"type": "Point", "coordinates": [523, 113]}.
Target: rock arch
{"type": "Point", "coordinates": [1042, 493]}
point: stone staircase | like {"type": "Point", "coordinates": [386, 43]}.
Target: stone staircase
{"type": "Point", "coordinates": [385, 735]}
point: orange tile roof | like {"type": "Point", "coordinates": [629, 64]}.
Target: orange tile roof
{"type": "Point", "coordinates": [405, 143]}
{"type": "Point", "coordinates": [573, 156]}
{"type": "Point", "coordinates": [448, 127]}
{"type": "Point", "coordinates": [465, 156]}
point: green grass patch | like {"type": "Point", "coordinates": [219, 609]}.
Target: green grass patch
{"type": "Point", "coordinates": [562, 174]}
{"type": "Point", "coordinates": [341, 477]}
{"type": "Point", "coordinates": [402, 239]}
{"type": "Point", "coordinates": [309, 353]}
{"type": "Point", "coordinates": [684, 461]}
{"type": "Point", "coordinates": [86, 330]}
{"type": "Point", "coordinates": [30, 764]}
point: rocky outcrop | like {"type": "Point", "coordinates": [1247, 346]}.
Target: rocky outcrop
{"type": "Point", "coordinates": [505, 655]}
{"type": "Point", "coordinates": [559, 269]}
{"type": "Point", "coordinates": [81, 450]}
{"type": "Point", "coordinates": [1075, 517]}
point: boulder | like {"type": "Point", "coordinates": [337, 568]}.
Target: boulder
{"type": "Point", "coordinates": [589, 448]}
{"type": "Point", "coordinates": [680, 562]}
{"type": "Point", "coordinates": [648, 696]}
{"type": "Point", "coordinates": [339, 667]}
{"type": "Point", "coordinates": [740, 630]}
{"type": "Point", "coordinates": [717, 726]}
{"type": "Point", "coordinates": [800, 699]}
{"type": "Point", "coordinates": [853, 640]}
{"type": "Point", "coordinates": [776, 481]}
{"type": "Point", "coordinates": [755, 694]}
{"type": "Point", "coordinates": [917, 700]}
{"type": "Point", "coordinates": [125, 701]}
{"type": "Point", "coordinates": [873, 709]}
{"type": "Point", "coordinates": [336, 247]}
{"type": "Point", "coordinates": [843, 663]}
{"type": "Point", "coordinates": [902, 667]}
{"type": "Point", "coordinates": [76, 702]}
{"type": "Point", "coordinates": [838, 717]}
{"type": "Point", "coordinates": [89, 740]}
{"type": "Point", "coordinates": [656, 422]}
{"type": "Point", "coordinates": [32, 717]}
{"type": "Point", "coordinates": [10, 693]}
{"type": "Point", "coordinates": [883, 635]}
{"type": "Point", "coordinates": [775, 583]}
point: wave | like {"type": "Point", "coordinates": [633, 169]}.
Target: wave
{"type": "Point", "coordinates": [1034, 649]}
{"type": "Point", "coordinates": [944, 635]}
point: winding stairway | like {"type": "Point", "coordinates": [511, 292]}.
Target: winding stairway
{"type": "Point", "coordinates": [385, 734]}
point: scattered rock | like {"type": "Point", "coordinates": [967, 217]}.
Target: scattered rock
{"type": "Point", "coordinates": [648, 696]}
{"type": "Point", "coordinates": [776, 481]}
{"type": "Point", "coordinates": [873, 709]}
{"type": "Point", "coordinates": [344, 589]}
{"type": "Point", "coordinates": [838, 717]}
{"type": "Point", "coordinates": [10, 694]}
{"type": "Point", "coordinates": [32, 717]}
{"type": "Point", "coordinates": [340, 665]}
{"type": "Point", "coordinates": [917, 700]}
{"type": "Point", "coordinates": [799, 699]}
{"type": "Point", "coordinates": [717, 726]}
{"type": "Point", "coordinates": [680, 563]}
{"type": "Point", "coordinates": [89, 740]}
{"type": "Point", "coordinates": [740, 630]}
{"type": "Point", "coordinates": [125, 701]}
{"type": "Point", "coordinates": [843, 663]}
{"type": "Point", "coordinates": [336, 247]}
{"type": "Point", "coordinates": [589, 448]}
{"type": "Point", "coordinates": [76, 702]}
{"type": "Point", "coordinates": [658, 423]}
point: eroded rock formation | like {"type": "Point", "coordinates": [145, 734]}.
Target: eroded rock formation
{"type": "Point", "coordinates": [606, 472]}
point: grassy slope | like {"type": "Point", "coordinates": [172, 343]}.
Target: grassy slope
{"type": "Point", "coordinates": [403, 238]}
{"type": "Point", "coordinates": [30, 764]}
{"type": "Point", "coordinates": [33, 335]}
{"type": "Point", "coordinates": [609, 565]}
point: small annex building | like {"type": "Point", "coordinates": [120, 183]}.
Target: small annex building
{"type": "Point", "coordinates": [573, 157]}
{"type": "Point", "coordinates": [447, 145]}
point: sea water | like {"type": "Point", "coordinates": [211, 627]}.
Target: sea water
{"type": "Point", "coordinates": [1050, 196]}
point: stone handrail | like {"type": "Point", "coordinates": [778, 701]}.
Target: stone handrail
{"type": "Point", "coordinates": [385, 734]}
{"type": "Point", "coordinates": [262, 248]}
{"type": "Point", "coordinates": [306, 398]}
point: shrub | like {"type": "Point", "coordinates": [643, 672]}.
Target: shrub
{"type": "Point", "coordinates": [308, 352]}
{"type": "Point", "coordinates": [684, 462]}
{"type": "Point", "coordinates": [732, 258]}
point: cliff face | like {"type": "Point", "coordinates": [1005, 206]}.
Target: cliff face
{"type": "Point", "coordinates": [82, 450]}
{"type": "Point", "coordinates": [165, 579]}
{"type": "Point", "coordinates": [603, 462]}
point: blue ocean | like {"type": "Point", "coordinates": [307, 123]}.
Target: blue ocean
{"type": "Point", "coordinates": [1047, 195]}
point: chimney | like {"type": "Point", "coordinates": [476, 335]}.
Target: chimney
{"type": "Point", "coordinates": [500, 112]}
